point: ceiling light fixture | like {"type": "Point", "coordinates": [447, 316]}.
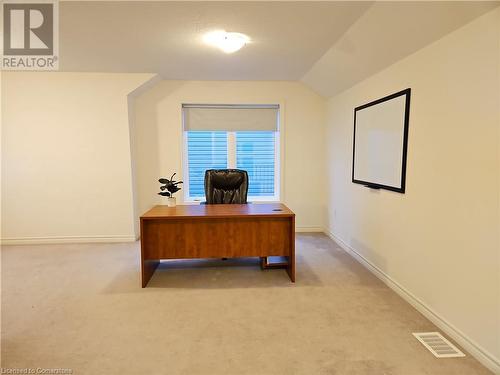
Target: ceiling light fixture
{"type": "Point", "coordinates": [227, 42]}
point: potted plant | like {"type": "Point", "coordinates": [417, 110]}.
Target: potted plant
{"type": "Point", "coordinates": [168, 188]}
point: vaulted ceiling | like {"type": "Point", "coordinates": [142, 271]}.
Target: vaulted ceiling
{"type": "Point", "coordinates": [166, 37]}
{"type": "Point", "coordinates": [328, 45]}
{"type": "Point", "coordinates": [383, 35]}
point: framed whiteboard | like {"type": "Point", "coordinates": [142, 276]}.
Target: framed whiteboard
{"type": "Point", "coordinates": [381, 141]}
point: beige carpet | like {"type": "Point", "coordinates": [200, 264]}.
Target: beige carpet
{"type": "Point", "coordinates": [81, 307]}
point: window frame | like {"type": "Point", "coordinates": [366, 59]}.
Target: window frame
{"type": "Point", "coordinates": [231, 151]}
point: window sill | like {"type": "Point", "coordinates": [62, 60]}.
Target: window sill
{"type": "Point", "coordinates": [250, 200]}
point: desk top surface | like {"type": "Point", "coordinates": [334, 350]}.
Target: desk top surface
{"type": "Point", "coordinates": [219, 211]}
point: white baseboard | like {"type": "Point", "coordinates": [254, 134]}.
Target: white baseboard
{"type": "Point", "coordinates": [97, 239]}
{"type": "Point", "coordinates": [65, 239]}
{"type": "Point", "coordinates": [482, 355]}
{"type": "Point", "coordinates": [309, 229]}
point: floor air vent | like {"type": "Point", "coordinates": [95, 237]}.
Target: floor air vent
{"type": "Point", "coordinates": [438, 345]}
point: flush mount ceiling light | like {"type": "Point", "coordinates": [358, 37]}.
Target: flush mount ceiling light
{"type": "Point", "coordinates": [227, 42]}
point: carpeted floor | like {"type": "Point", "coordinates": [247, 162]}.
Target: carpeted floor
{"type": "Point", "coordinates": [82, 307]}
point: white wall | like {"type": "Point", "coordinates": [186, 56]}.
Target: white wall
{"type": "Point", "coordinates": [1, 127]}
{"type": "Point", "coordinates": [66, 171]}
{"type": "Point", "coordinates": [1, 154]}
{"type": "Point", "coordinates": [440, 240]}
{"type": "Point", "coordinates": [66, 165]}
{"type": "Point", "coordinates": [159, 145]}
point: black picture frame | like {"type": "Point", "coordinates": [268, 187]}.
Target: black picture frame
{"type": "Point", "coordinates": [372, 185]}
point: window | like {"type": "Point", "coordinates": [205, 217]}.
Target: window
{"type": "Point", "coordinates": [256, 151]}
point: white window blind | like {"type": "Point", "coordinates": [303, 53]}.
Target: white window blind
{"type": "Point", "coordinates": [256, 153]}
{"type": "Point", "coordinates": [205, 150]}
{"type": "Point", "coordinates": [230, 117]}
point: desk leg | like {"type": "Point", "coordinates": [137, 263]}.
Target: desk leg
{"type": "Point", "coordinates": [148, 267]}
{"type": "Point", "coordinates": [291, 259]}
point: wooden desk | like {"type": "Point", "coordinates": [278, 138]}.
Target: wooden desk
{"type": "Point", "coordinates": [217, 231]}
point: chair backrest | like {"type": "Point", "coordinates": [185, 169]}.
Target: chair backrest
{"type": "Point", "coordinates": [228, 186]}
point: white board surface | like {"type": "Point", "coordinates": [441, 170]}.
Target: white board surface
{"type": "Point", "coordinates": [379, 143]}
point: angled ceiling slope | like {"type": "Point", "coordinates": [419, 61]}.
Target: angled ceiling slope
{"type": "Point", "coordinates": [386, 33]}
{"type": "Point", "coordinates": [166, 37]}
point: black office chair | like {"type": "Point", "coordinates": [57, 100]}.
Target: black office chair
{"type": "Point", "coordinates": [226, 186]}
